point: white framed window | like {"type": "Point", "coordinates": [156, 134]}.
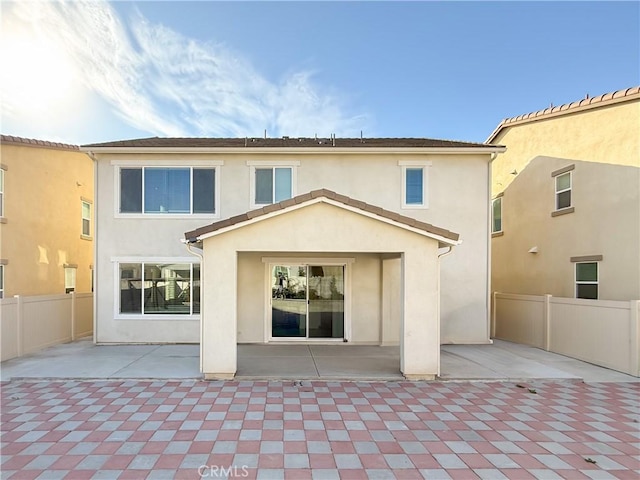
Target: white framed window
{"type": "Point", "coordinates": [563, 191]}
{"type": "Point", "coordinates": [86, 218]}
{"type": "Point", "coordinates": [1, 281]}
{"type": "Point", "coordinates": [70, 278]}
{"type": "Point", "coordinates": [167, 190]}
{"type": "Point", "coordinates": [1, 192]}
{"type": "Point", "coordinates": [586, 280]}
{"type": "Point", "coordinates": [415, 182]}
{"type": "Point", "coordinates": [158, 288]}
{"type": "Point", "coordinates": [496, 215]}
{"type": "Point", "coordinates": [272, 182]}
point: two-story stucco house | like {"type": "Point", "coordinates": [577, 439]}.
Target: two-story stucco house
{"type": "Point", "coordinates": [46, 218]}
{"type": "Point", "coordinates": [262, 240]}
{"type": "Point", "coordinates": [566, 197]}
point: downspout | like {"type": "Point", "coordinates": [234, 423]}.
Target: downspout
{"type": "Point", "coordinates": [189, 245]}
{"type": "Point", "coordinates": [93, 157]}
{"type": "Point", "coordinates": [489, 222]}
{"type": "Point", "coordinates": [442, 255]}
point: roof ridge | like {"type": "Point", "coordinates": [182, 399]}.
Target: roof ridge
{"type": "Point", "coordinates": [33, 142]}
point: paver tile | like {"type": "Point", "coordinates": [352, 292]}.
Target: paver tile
{"type": "Point", "coordinates": [319, 430]}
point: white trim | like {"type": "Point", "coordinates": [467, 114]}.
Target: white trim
{"type": "Point", "coordinates": [145, 259]}
{"type": "Point", "coordinates": [273, 163]}
{"type": "Point", "coordinates": [309, 260]}
{"type": "Point", "coordinates": [408, 164]}
{"type": "Point", "coordinates": [415, 163]}
{"type": "Point", "coordinates": [169, 216]}
{"type": "Point", "coordinates": [297, 206]}
{"type": "Point", "coordinates": [192, 162]}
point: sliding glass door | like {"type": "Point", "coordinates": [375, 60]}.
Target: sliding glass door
{"type": "Point", "coordinates": [307, 301]}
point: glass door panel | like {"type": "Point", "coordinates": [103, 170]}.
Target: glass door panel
{"type": "Point", "coordinates": [326, 301]}
{"type": "Point", "coordinates": [289, 301]}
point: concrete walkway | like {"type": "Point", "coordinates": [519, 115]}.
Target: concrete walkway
{"type": "Point", "coordinates": [502, 361]}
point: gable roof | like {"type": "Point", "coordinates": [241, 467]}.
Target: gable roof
{"type": "Point", "coordinates": [586, 103]}
{"type": "Point", "coordinates": [157, 144]}
{"type": "Point", "coordinates": [31, 142]}
{"type": "Point", "coordinates": [327, 196]}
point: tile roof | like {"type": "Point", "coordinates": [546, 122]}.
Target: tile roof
{"type": "Point", "coordinates": [31, 142]}
{"type": "Point", "coordinates": [292, 142]}
{"type": "Point", "coordinates": [583, 104]}
{"type": "Point", "coordinates": [193, 235]}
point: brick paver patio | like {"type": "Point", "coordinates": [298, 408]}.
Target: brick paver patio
{"type": "Point", "coordinates": [319, 430]}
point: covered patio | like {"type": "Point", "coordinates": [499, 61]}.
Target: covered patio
{"type": "Point", "coordinates": [321, 268]}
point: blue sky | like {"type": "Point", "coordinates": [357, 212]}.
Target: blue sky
{"type": "Point", "coordinates": [84, 72]}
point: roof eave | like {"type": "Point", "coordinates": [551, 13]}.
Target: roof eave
{"type": "Point", "coordinates": [481, 149]}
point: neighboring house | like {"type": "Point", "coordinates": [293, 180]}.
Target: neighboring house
{"type": "Point", "coordinates": [225, 241]}
{"type": "Point", "coordinates": [46, 218]}
{"type": "Point", "coordinates": [566, 200]}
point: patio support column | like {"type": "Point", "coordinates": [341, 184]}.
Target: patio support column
{"type": "Point", "coordinates": [420, 343]}
{"type": "Point", "coordinates": [219, 347]}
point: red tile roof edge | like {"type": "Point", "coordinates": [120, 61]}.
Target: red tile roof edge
{"type": "Point", "coordinates": [192, 235]}
{"type": "Point", "coordinates": [32, 142]}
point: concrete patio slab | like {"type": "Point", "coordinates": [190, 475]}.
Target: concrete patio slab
{"type": "Point", "coordinates": [501, 361]}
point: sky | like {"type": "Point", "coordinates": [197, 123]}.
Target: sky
{"type": "Point", "coordinates": [86, 72]}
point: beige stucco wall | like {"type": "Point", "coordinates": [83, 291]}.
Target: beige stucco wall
{"type": "Point", "coordinates": [606, 222]}
{"type": "Point", "coordinates": [606, 133]}
{"type": "Point", "coordinates": [226, 316]}
{"type": "Point", "coordinates": [458, 193]}
{"type": "Point", "coordinates": [43, 218]}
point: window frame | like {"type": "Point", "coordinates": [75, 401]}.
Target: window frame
{"type": "Point", "coordinates": [495, 200]}
{"type": "Point", "coordinates": [568, 189]}
{"type": "Point", "coordinates": [191, 165]}
{"type": "Point", "coordinates": [253, 165]}
{"type": "Point", "coordinates": [84, 202]}
{"type": "Point", "coordinates": [71, 280]}
{"type": "Point", "coordinates": [2, 280]}
{"type": "Point", "coordinates": [577, 282]}
{"type": "Point", "coordinates": [410, 165]}
{"type": "Point", "coordinates": [2, 199]}
{"type": "Point", "coordinates": [557, 174]}
{"type": "Point", "coordinates": [117, 261]}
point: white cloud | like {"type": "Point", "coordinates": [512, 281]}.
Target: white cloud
{"type": "Point", "coordinates": [162, 82]}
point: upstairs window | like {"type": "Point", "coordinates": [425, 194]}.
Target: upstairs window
{"type": "Point", "coordinates": [496, 215]}
{"type": "Point", "coordinates": [414, 184]}
{"type": "Point", "coordinates": [563, 191]}
{"type": "Point", "coordinates": [1, 192]}
{"type": "Point", "coordinates": [587, 280]}
{"type": "Point", "coordinates": [273, 185]}
{"type": "Point", "coordinates": [86, 218]}
{"type": "Point", "coordinates": [172, 190]}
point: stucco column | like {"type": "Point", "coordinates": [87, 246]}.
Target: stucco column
{"type": "Point", "coordinates": [390, 334]}
{"type": "Point", "coordinates": [219, 348]}
{"type": "Point", "coordinates": [420, 343]}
